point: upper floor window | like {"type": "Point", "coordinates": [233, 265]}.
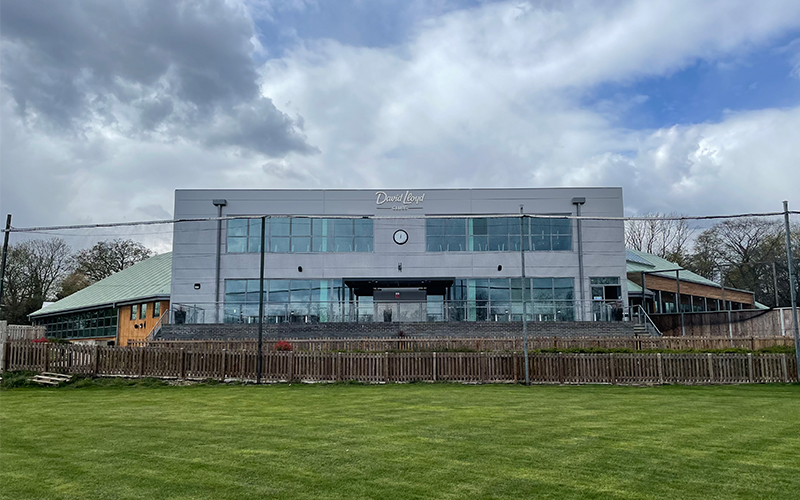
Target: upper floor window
{"type": "Point", "coordinates": [498, 234]}
{"type": "Point", "coordinates": [301, 235]}
{"type": "Point", "coordinates": [134, 312]}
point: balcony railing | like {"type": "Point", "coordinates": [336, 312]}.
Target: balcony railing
{"type": "Point", "coordinates": [403, 311]}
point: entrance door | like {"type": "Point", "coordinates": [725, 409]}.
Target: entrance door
{"type": "Point", "coordinates": [400, 305]}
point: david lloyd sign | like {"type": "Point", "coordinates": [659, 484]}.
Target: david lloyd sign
{"type": "Point", "coordinates": [399, 201]}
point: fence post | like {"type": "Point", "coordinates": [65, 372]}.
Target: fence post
{"type": "Point", "coordinates": [290, 375]}
{"type": "Point", "coordinates": [785, 368]}
{"type": "Point", "coordinates": [183, 364]}
{"type": "Point", "coordinates": [434, 366]}
{"type": "Point", "coordinates": [224, 364]}
{"type": "Point", "coordinates": [46, 347]}
{"type": "Point", "coordinates": [339, 366]}
{"type": "Point", "coordinates": [710, 368]}
{"type": "Point", "coordinates": [386, 367]}
{"type": "Point", "coordinates": [6, 355]}
{"type": "Point", "coordinates": [750, 367]}
{"type": "Point", "coordinates": [612, 368]}
{"type": "Point", "coordinates": [560, 367]}
{"type": "Point", "coordinates": [143, 350]}
{"type": "Point", "coordinates": [660, 365]}
{"type": "Point", "coordinates": [95, 360]}
{"type": "Point", "coordinates": [241, 365]}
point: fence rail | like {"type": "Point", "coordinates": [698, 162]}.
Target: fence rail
{"type": "Point", "coordinates": [468, 367]}
{"type": "Point", "coordinates": [443, 344]}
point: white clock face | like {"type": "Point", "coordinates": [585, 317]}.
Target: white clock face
{"type": "Point", "coordinates": [400, 237]}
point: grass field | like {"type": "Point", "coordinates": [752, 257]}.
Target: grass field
{"type": "Point", "coordinates": [400, 441]}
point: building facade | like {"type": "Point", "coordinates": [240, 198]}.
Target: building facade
{"type": "Point", "coordinates": [398, 255]}
{"type": "Point", "coordinates": [125, 306]}
{"type": "Point", "coordinates": [669, 288]}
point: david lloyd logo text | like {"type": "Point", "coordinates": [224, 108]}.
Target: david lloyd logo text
{"type": "Point", "coordinates": [405, 201]}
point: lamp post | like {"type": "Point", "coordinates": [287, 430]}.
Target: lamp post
{"type": "Point", "coordinates": [524, 289]}
{"type": "Point", "coordinates": [792, 291]}
{"type": "Point", "coordinates": [261, 301]}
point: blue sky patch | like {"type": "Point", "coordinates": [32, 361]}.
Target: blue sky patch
{"type": "Point", "coordinates": [704, 91]}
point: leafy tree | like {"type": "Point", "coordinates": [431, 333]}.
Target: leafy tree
{"type": "Point", "coordinates": [741, 252]}
{"type": "Point", "coordinates": [109, 257]}
{"type": "Point", "coordinates": [34, 270]}
{"type": "Point", "coordinates": [75, 282]}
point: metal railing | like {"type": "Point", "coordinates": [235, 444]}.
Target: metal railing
{"type": "Point", "coordinates": [369, 311]}
{"type": "Point", "coordinates": [640, 316]}
{"type": "Point", "coordinates": [162, 320]}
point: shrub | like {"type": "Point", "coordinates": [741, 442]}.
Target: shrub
{"type": "Point", "coordinates": [283, 346]}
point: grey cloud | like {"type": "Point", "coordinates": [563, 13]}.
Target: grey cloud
{"type": "Point", "coordinates": [74, 64]}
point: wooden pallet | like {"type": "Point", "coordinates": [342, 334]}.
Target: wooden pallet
{"type": "Point", "coordinates": [48, 378]}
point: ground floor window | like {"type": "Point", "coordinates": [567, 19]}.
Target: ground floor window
{"type": "Point", "coordinates": [98, 323]}
{"type": "Point", "coordinates": [311, 301]}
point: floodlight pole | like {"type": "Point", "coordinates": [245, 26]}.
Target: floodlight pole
{"type": "Point", "coordinates": [5, 254]}
{"type": "Point", "coordinates": [219, 204]}
{"type": "Point", "coordinates": [261, 302]}
{"type": "Point", "coordinates": [524, 289]}
{"type": "Point", "coordinates": [793, 292]}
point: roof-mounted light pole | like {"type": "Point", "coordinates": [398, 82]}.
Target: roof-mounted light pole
{"type": "Point", "coordinates": [219, 204]}
{"type": "Point", "coordinates": [578, 201]}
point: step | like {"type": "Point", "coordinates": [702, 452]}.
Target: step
{"type": "Point", "coordinates": [50, 378]}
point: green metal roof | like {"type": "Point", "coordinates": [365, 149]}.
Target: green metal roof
{"type": "Point", "coordinates": [147, 279]}
{"type": "Point", "coordinates": [642, 261]}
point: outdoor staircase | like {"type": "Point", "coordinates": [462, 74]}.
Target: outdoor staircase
{"type": "Point", "coordinates": [640, 330]}
{"type": "Point", "coordinates": [48, 378]}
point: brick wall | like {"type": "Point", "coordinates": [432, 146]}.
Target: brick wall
{"type": "Point", "coordinates": [355, 330]}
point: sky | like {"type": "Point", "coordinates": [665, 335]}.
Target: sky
{"type": "Point", "coordinates": [107, 107]}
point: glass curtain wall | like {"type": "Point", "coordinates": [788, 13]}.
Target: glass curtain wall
{"type": "Point", "coordinates": [496, 299]}
{"type": "Point", "coordinates": [88, 324]}
{"type": "Point", "coordinates": [300, 235]}
{"type": "Point", "coordinates": [497, 234]}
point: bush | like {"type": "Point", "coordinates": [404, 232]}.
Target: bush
{"type": "Point", "coordinates": [283, 346]}
{"type": "Point", "coordinates": [16, 379]}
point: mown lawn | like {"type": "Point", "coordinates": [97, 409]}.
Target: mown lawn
{"type": "Point", "coordinates": [400, 441]}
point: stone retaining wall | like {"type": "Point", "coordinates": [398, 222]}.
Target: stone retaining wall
{"type": "Point", "coordinates": [355, 330]}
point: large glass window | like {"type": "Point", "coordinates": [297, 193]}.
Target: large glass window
{"type": "Point", "coordinates": [500, 299]}
{"type": "Point", "coordinates": [296, 301]}
{"type": "Point", "coordinates": [301, 235]}
{"type": "Point", "coordinates": [90, 324]}
{"type": "Point", "coordinates": [498, 234]}
{"type": "Point", "coordinates": [446, 235]}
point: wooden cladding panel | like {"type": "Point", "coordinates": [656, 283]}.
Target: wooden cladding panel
{"type": "Point", "coordinates": [139, 328]}
{"type": "Point", "coordinates": [689, 288]}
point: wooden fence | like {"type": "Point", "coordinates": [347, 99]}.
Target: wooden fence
{"type": "Point", "coordinates": [469, 367]}
{"type": "Point", "coordinates": [444, 344]}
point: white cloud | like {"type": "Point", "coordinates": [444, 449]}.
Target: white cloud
{"type": "Point", "coordinates": [489, 96]}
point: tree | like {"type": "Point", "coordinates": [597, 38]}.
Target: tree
{"type": "Point", "coordinates": [75, 282]}
{"type": "Point", "coordinates": [741, 252]}
{"type": "Point", "coordinates": [34, 270]}
{"type": "Point", "coordinates": [109, 257]}
{"type": "Point", "coordinates": [668, 239]}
